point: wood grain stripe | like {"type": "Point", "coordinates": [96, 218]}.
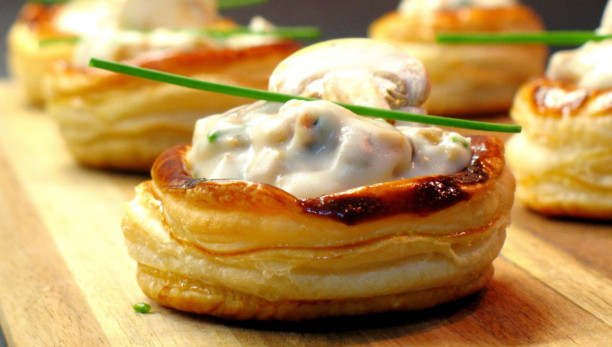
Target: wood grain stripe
{"type": "Point", "coordinates": [586, 287]}
{"type": "Point", "coordinates": [55, 312]}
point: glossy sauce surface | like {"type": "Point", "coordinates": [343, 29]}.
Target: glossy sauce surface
{"type": "Point", "coordinates": [313, 148]}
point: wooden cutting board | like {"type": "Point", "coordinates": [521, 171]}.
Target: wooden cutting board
{"type": "Point", "coordinates": [66, 279]}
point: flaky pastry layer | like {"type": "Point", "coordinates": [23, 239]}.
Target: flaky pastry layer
{"type": "Point", "coordinates": [563, 158]}
{"type": "Point", "coordinates": [120, 122]}
{"type": "Point", "coordinates": [467, 79]}
{"type": "Point", "coordinates": [244, 250]}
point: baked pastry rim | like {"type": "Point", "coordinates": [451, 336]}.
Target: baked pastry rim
{"type": "Point", "coordinates": [171, 174]}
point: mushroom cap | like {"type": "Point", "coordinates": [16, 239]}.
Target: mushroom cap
{"type": "Point", "coordinates": [354, 70]}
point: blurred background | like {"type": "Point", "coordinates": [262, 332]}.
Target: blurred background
{"type": "Point", "coordinates": [350, 18]}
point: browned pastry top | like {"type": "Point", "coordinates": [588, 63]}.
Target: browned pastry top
{"type": "Point", "coordinates": [418, 196]}
{"type": "Point", "coordinates": [401, 27]}
{"type": "Point", "coordinates": [39, 18]}
{"type": "Point", "coordinates": [548, 98]}
{"type": "Point", "coordinates": [75, 80]}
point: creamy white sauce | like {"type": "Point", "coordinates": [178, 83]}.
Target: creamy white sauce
{"type": "Point", "coordinates": [356, 71]}
{"type": "Point", "coordinates": [416, 7]}
{"type": "Point", "coordinates": [589, 66]}
{"type": "Point", "coordinates": [122, 29]}
{"type": "Point", "coordinates": [312, 148]}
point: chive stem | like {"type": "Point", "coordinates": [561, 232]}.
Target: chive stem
{"type": "Point", "coordinates": [278, 97]}
{"type": "Point", "coordinates": [227, 4]}
{"type": "Point", "coordinates": [49, 2]}
{"type": "Point", "coordinates": [59, 40]}
{"type": "Point", "coordinates": [142, 307]}
{"type": "Point", "coordinates": [554, 38]}
{"type": "Point", "coordinates": [298, 33]}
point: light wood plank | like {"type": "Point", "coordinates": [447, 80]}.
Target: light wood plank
{"type": "Point", "coordinates": [41, 301]}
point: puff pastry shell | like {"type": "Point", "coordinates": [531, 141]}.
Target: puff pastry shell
{"type": "Point", "coordinates": [115, 121]}
{"type": "Point", "coordinates": [563, 158]}
{"type": "Point", "coordinates": [467, 79]}
{"type": "Point", "coordinates": [243, 250]}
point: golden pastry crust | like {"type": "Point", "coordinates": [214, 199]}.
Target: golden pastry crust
{"type": "Point", "coordinates": [243, 250]}
{"type": "Point", "coordinates": [116, 121]}
{"type": "Point", "coordinates": [193, 296]}
{"type": "Point", "coordinates": [468, 79]}
{"type": "Point", "coordinates": [563, 158]}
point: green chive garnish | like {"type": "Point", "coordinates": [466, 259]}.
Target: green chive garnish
{"type": "Point", "coordinates": [553, 38]}
{"type": "Point", "coordinates": [49, 2]}
{"type": "Point", "coordinates": [212, 137]}
{"type": "Point", "coordinates": [61, 40]}
{"type": "Point", "coordinates": [278, 97]}
{"type": "Point", "coordinates": [225, 4]}
{"type": "Point", "coordinates": [142, 307]}
{"type": "Point", "coordinates": [461, 141]}
{"type": "Point", "coordinates": [298, 33]}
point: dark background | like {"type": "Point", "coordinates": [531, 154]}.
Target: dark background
{"type": "Point", "coordinates": [350, 18]}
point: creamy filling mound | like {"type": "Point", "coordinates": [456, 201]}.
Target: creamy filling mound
{"type": "Point", "coordinates": [312, 148]}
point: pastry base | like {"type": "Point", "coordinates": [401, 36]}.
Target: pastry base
{"type": "Point", "coordinates": [243, 250]}
{"type": "Point", "coordinates": [562, 160]}
{"type": "Point", "coordinates": [184, 294]}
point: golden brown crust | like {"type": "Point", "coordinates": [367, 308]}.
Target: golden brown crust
{"type": "Point", "coordinates": [423, 28]}
{"type": "Point", "coordinates": [244, 250]}
{"type": "Point", "coordinates": [39, 19]}
{"type": "Point", "coordinates": [556, 99]}
{"type": "Point", "coordinates": [468, 79]}
{"type": "Point", "coordinates": [567, 133]}
{"type": "Point", "coordinates": [419, 196]}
